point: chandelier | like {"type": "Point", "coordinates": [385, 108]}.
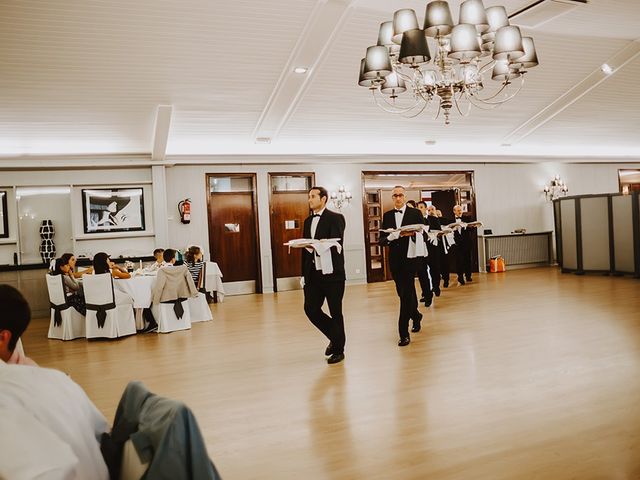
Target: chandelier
{"type": "Point", "coordinates": [483, 44]}
{"type": "Point", "coordinates": [556, 189]}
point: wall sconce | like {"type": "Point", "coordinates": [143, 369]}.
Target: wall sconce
{"type": "Point", "coordinates": [341, 197]}
{"type": "Point", "coordinates": [556, 189]}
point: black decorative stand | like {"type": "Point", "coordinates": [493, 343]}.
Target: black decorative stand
{"type": "Point", "coordinates": [47, 247]}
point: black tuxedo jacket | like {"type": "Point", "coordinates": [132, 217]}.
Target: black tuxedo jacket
{"type": "Point", "coordinates": [330, 225]}
{"type": "Point", "coordinates": [398, 248]}
{"type": "Point", "coordinates": [434, 224]}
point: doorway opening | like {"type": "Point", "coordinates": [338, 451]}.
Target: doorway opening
{"type": "Point", "coordinates": [443, 189]}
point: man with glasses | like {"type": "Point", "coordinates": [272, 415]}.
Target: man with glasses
{"type": "Point", "coordinates": [403, 265]}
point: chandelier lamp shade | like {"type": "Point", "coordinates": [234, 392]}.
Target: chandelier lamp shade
{"type": "Point", "coordinates": [481, 61]}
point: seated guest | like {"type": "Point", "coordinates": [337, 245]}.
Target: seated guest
{"type": "Point", "coordinates": [70, 259]}
{"type": "Point", "coordinates": [194, 263]}
{"type": "Point", "coordinates": [159, 263]}
{"type": "Point", "coordinates": [52, 430]}
{"type": "Point", "coordinates": [173, 282]}
{"type": "Point", "coordinates": [14, 318]}
{"type": "Point", "coordinates": [103, 264]}
{"type": "Point", "coordinates": [72, 289]}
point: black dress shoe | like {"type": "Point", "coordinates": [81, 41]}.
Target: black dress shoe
{"type": "Point", "coordinates": [436, 292]}
{"type": "Point", "coordinates": [422, 298]}
{"type": "Point", "coordinates": [416, 327]}
{"type": "Point", "coordinates": [428, 301]}
{"type": "Point", "coordinates": [152, 327]}
{"type": "Point", "coordinates": [329, 350]}
{"type": "Point", "coordinates": [469, 279]}
{"type": "Point", "coordinates": [335, 358]}
{"type": "Point", "coordinates": [404, 342]}
{"type": "Point", "coordinates": [417, 317]}
{"type": "Point", "coordinates": [461, 281]}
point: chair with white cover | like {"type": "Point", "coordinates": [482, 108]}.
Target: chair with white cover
{"type": "Point", "coordinates": [199, 308]}
{"type": "Point", "coordinates": [66, 322]}
{"type": "Point", "coordinates": [105, 317]}
{"type": "Point", "coordinates": [167, 317]}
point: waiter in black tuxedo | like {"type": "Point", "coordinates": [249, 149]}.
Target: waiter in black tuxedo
{"type": "Point", "coordinates": [434, 257]}
{"type": "Point", "coordinates": [324, 224]}
{"type": "Point", "coordinates": [403, 269]}
{"type": "Point", "coordinates": [462, 247]}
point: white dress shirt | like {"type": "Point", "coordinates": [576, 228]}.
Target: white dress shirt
{"type": "Point", "coordinates": [314, 227]}
{"type": "Point", "coordinates": [314, 222]}
{"type": "Point", "coordinates": [398, 218]}
{"type": "Point", "coordinates": [50, 428]}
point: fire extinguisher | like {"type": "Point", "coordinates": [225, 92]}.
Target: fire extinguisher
{"type": "Point", "coordinates": [184, 208]}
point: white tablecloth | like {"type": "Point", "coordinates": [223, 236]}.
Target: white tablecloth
{"type": "Point", "coordinates": [213, 280]}
{"type": "Point", "coordinates": [140, 288]}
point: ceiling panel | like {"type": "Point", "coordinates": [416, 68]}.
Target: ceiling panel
{"type": "Point", "coordinates": [87, 77]}
{"type": "Point", "coordinates": [609, 116]}
{"type": "Point", "coordinates": [81, 73]}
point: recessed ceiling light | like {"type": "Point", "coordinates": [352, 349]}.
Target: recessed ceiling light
{"type": "Point", "coordinates": [263, 140]}
{"type": "Point", "coordinates": [505, 145]}
{"type": "Point", "coordinates": [429, 142]}
{"type": "Point", "coordinates": [300, 70]}
{"type": "Point", "coordinates": [606, 69]}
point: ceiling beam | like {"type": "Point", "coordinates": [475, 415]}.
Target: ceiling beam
{"type": "Point", "coordinates": [324, 23]}
{"type": "Point", "coordinates": [591, 81]}
{"type": "Point", "coordinates": [161, 132]}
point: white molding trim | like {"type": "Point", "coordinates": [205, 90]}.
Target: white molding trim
{"type": "Point", "coordinates": [161, 132]}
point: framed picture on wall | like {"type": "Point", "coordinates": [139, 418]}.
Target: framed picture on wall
{"type": "Point", "coordinates": [113, 210]}
{"type": "Point", "coordinates": [4, 215]}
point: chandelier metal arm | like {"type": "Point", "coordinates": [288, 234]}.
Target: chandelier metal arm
{"type": "Point", "coordinates": [394, 109]}
{"type": "Point", "coordinates": [455, 99]}
{"type": "Point", "coordinates": [502, 89]}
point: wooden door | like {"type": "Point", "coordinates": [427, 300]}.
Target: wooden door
{"type": "Point", "coordinates": [288, 212]}
{"type": "Point", "coordinates": [289, 208]}
{"type": "Point", "coordinates": [233, 240]}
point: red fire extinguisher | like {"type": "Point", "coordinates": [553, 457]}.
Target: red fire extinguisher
{"type": "Point", "coordinates": [184, 208]}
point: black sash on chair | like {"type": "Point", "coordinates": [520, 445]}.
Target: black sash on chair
{"type": "Point", "coordinates": [101, 310]}
{"type": "Point", "coordinates": [58, 309]}
{"type": "Point", "coordinates": [57, 315]}
{"type": "Point", "coordinates": [178, 309]}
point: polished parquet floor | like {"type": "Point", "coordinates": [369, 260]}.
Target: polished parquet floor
{"type": "Point", "coordinates": [530, 374]}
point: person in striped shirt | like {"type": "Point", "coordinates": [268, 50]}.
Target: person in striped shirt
{"type": "Point", "coordinates": [194, 263]}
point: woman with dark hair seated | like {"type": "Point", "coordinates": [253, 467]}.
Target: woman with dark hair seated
{"type": "Point", "coordinates": [72, 289]}
{"type": "Point", "coordinates": [194, 263]}
{"type": "Point", "coordinates": [70, 259]}
{"type": "Point", "coordinates": [103, 264]}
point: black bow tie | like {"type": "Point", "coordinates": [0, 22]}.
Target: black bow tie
{"type": "Point", "coordinates": [315, 215]}
{"type": "Point", "coordinates": [397, 211]}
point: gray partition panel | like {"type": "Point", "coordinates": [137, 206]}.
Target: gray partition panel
{"type": "Point", "coordinates": [623, 234]}
{"type": "Point", "coordinates": [595, 233]}
{"type": "Point", "coordinates": [569, 250]}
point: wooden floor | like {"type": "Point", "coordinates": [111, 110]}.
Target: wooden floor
{"type": "Point", "coordinates": [525, 375]}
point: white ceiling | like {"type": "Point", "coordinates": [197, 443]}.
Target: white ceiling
{"type": "Point", "coordinates": [87, 78]}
